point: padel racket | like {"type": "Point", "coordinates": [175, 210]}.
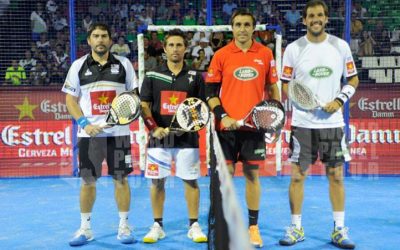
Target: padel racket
{"type": "Point", "coordinates": [125, 108]}
{"type": "Point", "coordinates": [190, 116]}
{"type": "Point", "coordinates": [267, 116]}
{"type": "Point", "coordinates": [302, 96]}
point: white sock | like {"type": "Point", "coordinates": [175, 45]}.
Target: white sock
{"type": "Point", "coordinates": [85, 220]}
{"type": "Point", "coordinates": [296, 220]}
{"type": "Point", "coordinates": [123, 218]}
{"type": "Point", "coordinates": [338, 218]}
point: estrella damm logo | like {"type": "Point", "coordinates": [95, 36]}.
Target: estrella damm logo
{"type": "Point", "coordinates": [320, 72]}
{"type": "Point", "coordinates": [245, 73]}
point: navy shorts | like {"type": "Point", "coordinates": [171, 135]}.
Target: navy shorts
{"type": "Point", "coordinates": [116, 151]}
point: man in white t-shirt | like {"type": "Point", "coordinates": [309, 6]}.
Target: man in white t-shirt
{"type": "Point", "coordinates": [319, 60]}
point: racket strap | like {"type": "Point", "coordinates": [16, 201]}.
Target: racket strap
{"type": "Point", "coordinates": [219, 112]}
{"type": "Point", "coordinates": [150, 123]}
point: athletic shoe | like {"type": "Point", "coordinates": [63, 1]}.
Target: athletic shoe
{"type": "Point", "coordinates": [196, 234]}
{"type": "Point", "coordinates": [125, 235]}
{"type": "Point", "coordinates": [156, 233]}
{"type": "Point", "coordinates": [255, 237]}
{"type": "Point", "coordinates": [292, 236]}
{"type": "Point", "coordinates": [82, 237]}
{"type": "Point", "coordinates": [340, 238]}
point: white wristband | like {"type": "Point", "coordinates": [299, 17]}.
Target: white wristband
{"type": "Point", "coordinates": [346, 93]}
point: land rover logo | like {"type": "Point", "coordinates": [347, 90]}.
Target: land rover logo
{"type": "Point", "coordinates": [321, 72]}
{"type": "Point", "coordinates": [245, 73]}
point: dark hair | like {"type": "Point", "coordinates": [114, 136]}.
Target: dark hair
{"type": "Point", "coordinates": [243, 12]}
{"type": "Point", "coordinates": [100, 26]}
{"type": "Point", "coordinates": [314, 3]}
{"type": "Point", "coordinates": [176, 32]}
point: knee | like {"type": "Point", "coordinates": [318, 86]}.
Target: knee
{"type": "Point", "coordinates": [335, 176]}
{"type": "Point", "coordinates": [297, 178]}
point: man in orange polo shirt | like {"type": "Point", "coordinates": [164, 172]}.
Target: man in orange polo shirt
{"type": "Point", "coordinates": [237, 78]}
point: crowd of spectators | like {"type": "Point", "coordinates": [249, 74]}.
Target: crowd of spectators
{"type": "Point", "coordinates": [47, 60]}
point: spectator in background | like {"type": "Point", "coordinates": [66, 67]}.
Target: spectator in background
{"type": "Point", "coordinates": [146, 17]}
{"type": "Point", "coordinates": [366, 45]}
{"type": "Point", "coordinates": [359, 10]}
{"type": "Point", "coordinates": [292, 16]}
{"type": "Point", "coordinates": [162, 11]}
{"type": "Point", "coordinates": [87, 21]}
{"type": "Point", "coordinates": [199, 35]}
{"type": "Point", "coordinates": [383, 44]}
{"type": "Point", "coordinates": [38, 21]}
{"type": "Point", "coordinates": [150, 62]}
{"type": "Point", "coordinates": [51, 6]}
{"type": "Point", "coordinates": [121, 48]}
{"type": "Point", "coordinates": [217, 41]}
{"type": "Point", "coordinates": [137, 7]}
{"type": "Point", "coordinates": [38, 75]}
{"type": "Point", "coordinates": [15, 74]}
{"type": "Point", "coordinates": [156, 43]}
{"type": "Point", "coordinates": [147, 46]}
{"type": "Point", "coordinates": [43, 43]}
{"type": "Point", "coordinates": [60, 58]}
{"type": "Point", "coordinates": [356, 25]}
{"type": "Point", "coordinates": [200, 62]}
{"type": "Point", "coordinates": [28, 62]}
{"type": "Point", "coordinates": [207, 49]}
{"type": "Point", "coordinates": [59, 22]}
{"type": "Point", "coordinates": [227, 10]}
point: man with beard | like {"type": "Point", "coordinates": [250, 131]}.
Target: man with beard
{"type": "Point", "coordinates": [162, 91]}
{"type": "Point", "coordinates": [319, 60]}
{"type": "Point", "coordinates": [93, 81]}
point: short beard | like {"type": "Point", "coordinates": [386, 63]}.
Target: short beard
{"type": "Point", "coordinates": [316, 34]}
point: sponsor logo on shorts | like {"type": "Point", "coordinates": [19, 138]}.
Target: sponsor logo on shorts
{"type": "Point", "coordinates": [152, 170]}
{"type": "Point", "coordinates": [260, 151]}
{"type": "Point", "coordinates": [245, 73]}
{"type": "Point", "coordinates": [321, 72]}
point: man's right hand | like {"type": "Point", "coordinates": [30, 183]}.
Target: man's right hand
{"type": "Point", "coordinates": [160, 132]}
{"type": "Point", "coordinates": [229, 123]}
{"type": "Point", "coordinates": [93, 130]}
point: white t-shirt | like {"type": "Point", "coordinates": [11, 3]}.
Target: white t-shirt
{"type": "Point", "coordinates": [320, 66]}
{"type": "Point", "coordinates": [95, 90]}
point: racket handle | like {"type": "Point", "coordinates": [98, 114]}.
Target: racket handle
{"type": "Point", "coordinates": [240, 123]}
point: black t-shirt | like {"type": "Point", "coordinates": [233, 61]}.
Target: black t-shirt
{"type": "Point", "coordinates": [166, 91]}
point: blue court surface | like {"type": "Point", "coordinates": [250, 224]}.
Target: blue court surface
{"type": "Point", "coordinates": [43, 213]}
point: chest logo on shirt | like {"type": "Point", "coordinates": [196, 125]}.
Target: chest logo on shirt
{"type": "Point", "coordinates": [245, 73]}
{"type": "Point", "coordinates": [101, 101]}
{"type": "Point", "coordinates": [170, 101]}
{"type": "Point", "coordinates": [321, 72]}
{"type": "Point", "coordinates": [114, 68]}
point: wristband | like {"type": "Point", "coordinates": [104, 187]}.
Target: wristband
{"type": "Point", "coordinates": [150, 123]}
{"type": "Point", "coordinates": [219, 112]}
{"type": "Point", "coordinates": [82, 122]}
{"type": "Point", "coordinates": [345, 94]}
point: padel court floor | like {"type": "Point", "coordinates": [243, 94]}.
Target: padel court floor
{"type": "Point", "coordinates": [43, 213]}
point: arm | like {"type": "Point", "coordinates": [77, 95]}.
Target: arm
{"type": "Point", "coordinates": [347, 92]}
{"type": "Point", "coordinates": [76, 112]}
{"type": "Point", "coordinates": [154, 129]}
{"type": "Point", "coordinates": [273, 92]}
{"type": "Point", "coordinates": [215, 105]}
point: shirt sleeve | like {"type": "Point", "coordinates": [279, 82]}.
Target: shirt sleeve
{"type": "Point", "coordinates": [72, 83]}
{"type": "Point", "coordinates": [288, 64]}
{"type": "Point", "coordinates": [214, 73]}
{"type": "Point", "coordinates": [131, 79]}
{"type": "Point", "coordinates": [146, 91]}
{"type": "Point", "coordinates": [349, 65]}
{"type": "Point", "coordinates": [272, 76]}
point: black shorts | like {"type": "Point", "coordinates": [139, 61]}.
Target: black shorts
{"type": "Point", "coordinates": [307, 144]}
{"type": "Point", "coordinates": [245, 146]}
{"type": "Point", "coordinates": [116, 151]}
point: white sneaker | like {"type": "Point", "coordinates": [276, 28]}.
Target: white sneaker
{"type": "Point", "coordinates": [81, 237]}
{"type": "Point", "coordinates": [125, 235]}
{"type": "Point", "coordinates": [196, 234]}
{"type": "Point", "coordinates": [156, 233]}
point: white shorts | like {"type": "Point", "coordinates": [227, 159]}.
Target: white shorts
{"type": "Point", "coordinates": [159, 161]}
